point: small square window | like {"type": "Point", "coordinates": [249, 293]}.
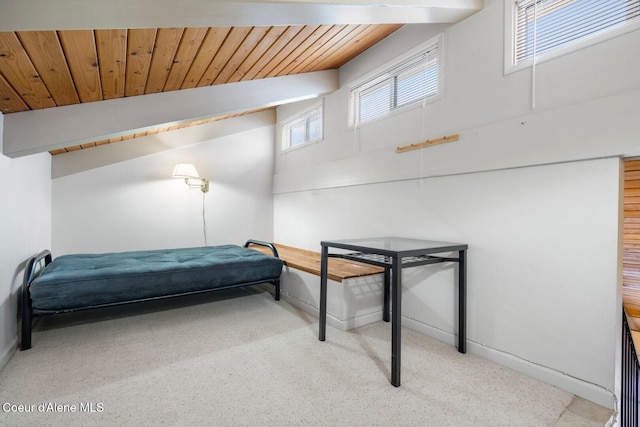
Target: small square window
{"type": "Point", "coordinates": [303, 128]}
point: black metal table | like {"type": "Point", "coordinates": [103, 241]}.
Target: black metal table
{"type": "Point", "coordinates": [394, 254]}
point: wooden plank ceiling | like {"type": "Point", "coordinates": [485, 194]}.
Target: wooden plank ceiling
{"type": "Point", "coordinates": [46, 69]}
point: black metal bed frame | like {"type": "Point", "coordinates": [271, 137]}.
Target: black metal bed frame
{"type": "Point", "coordinates": [629, 399]}
{"type": "Point", "coordinates": [35, 265]}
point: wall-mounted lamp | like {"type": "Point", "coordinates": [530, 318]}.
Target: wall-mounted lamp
{"type": "Point", "coordinates": [189, 173]}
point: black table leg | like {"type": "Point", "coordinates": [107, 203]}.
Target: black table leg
{"type": "Point", "coordinates": [462, 301]}
{"type": "Point", "coordinates": [322, 315]}
{"type": "Point", "coordinates": [387, 295]}
{"type": "Point", "coordinates": [396, 318]}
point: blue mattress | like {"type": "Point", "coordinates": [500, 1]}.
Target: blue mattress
{"type": "Point", "coordinates": [87, 280]}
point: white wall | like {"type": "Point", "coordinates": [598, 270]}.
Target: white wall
{"type": "Point", "coordinates": [535, 194]}
{"type": "Point", "coordinates": [135, 205]}
{"type": "Point", "coordinates": [25, 218]}
{"type": "Point", "coordinates": [542, 260]}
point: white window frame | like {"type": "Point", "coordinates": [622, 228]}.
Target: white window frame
{"type": "Point", "coordinates": [437, 41]}
{"type": "Point", "coordinates": [510, 66]}
{"type": "Point", "coordinates": [302, 115]}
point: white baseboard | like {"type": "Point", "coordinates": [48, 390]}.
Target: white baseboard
{"type": "Point", "coordinates": [582, 388]}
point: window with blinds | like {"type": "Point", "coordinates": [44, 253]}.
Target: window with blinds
{"type": "Point", "coordinates": [303, 128]}
{"type": "Point", "coordinates": [545, 25]}
{"type": "Point", "coordinates": [408, 82]}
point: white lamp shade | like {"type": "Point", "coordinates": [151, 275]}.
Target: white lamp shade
{"type": "Point", "coordinates": [185, 170]}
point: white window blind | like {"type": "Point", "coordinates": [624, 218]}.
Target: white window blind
{"type": "Point", "coordinates": [410, 81]}
{"type": "Point", "coordinates": [306, 127]}
{"type": "Point", "coordinates": [543, 25]}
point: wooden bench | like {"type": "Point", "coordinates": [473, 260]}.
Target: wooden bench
{"type": "Point", "coordinates": [309, 261]}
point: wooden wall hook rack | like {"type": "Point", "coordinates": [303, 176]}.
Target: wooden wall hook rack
{"type": "Point", "coordinates": [428, 143]}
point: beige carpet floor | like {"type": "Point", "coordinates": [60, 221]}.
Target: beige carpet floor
{"type": "Point", "coordinates": [237, 358]}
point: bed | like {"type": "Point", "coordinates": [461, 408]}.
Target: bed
{"type": "Point", "coordinates": [85, 281]}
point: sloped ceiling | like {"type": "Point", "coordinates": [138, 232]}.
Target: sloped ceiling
{"type": "Point", "coordinates": [59, 54]}
{"type": "Point", "coordinates": [48, 69]}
